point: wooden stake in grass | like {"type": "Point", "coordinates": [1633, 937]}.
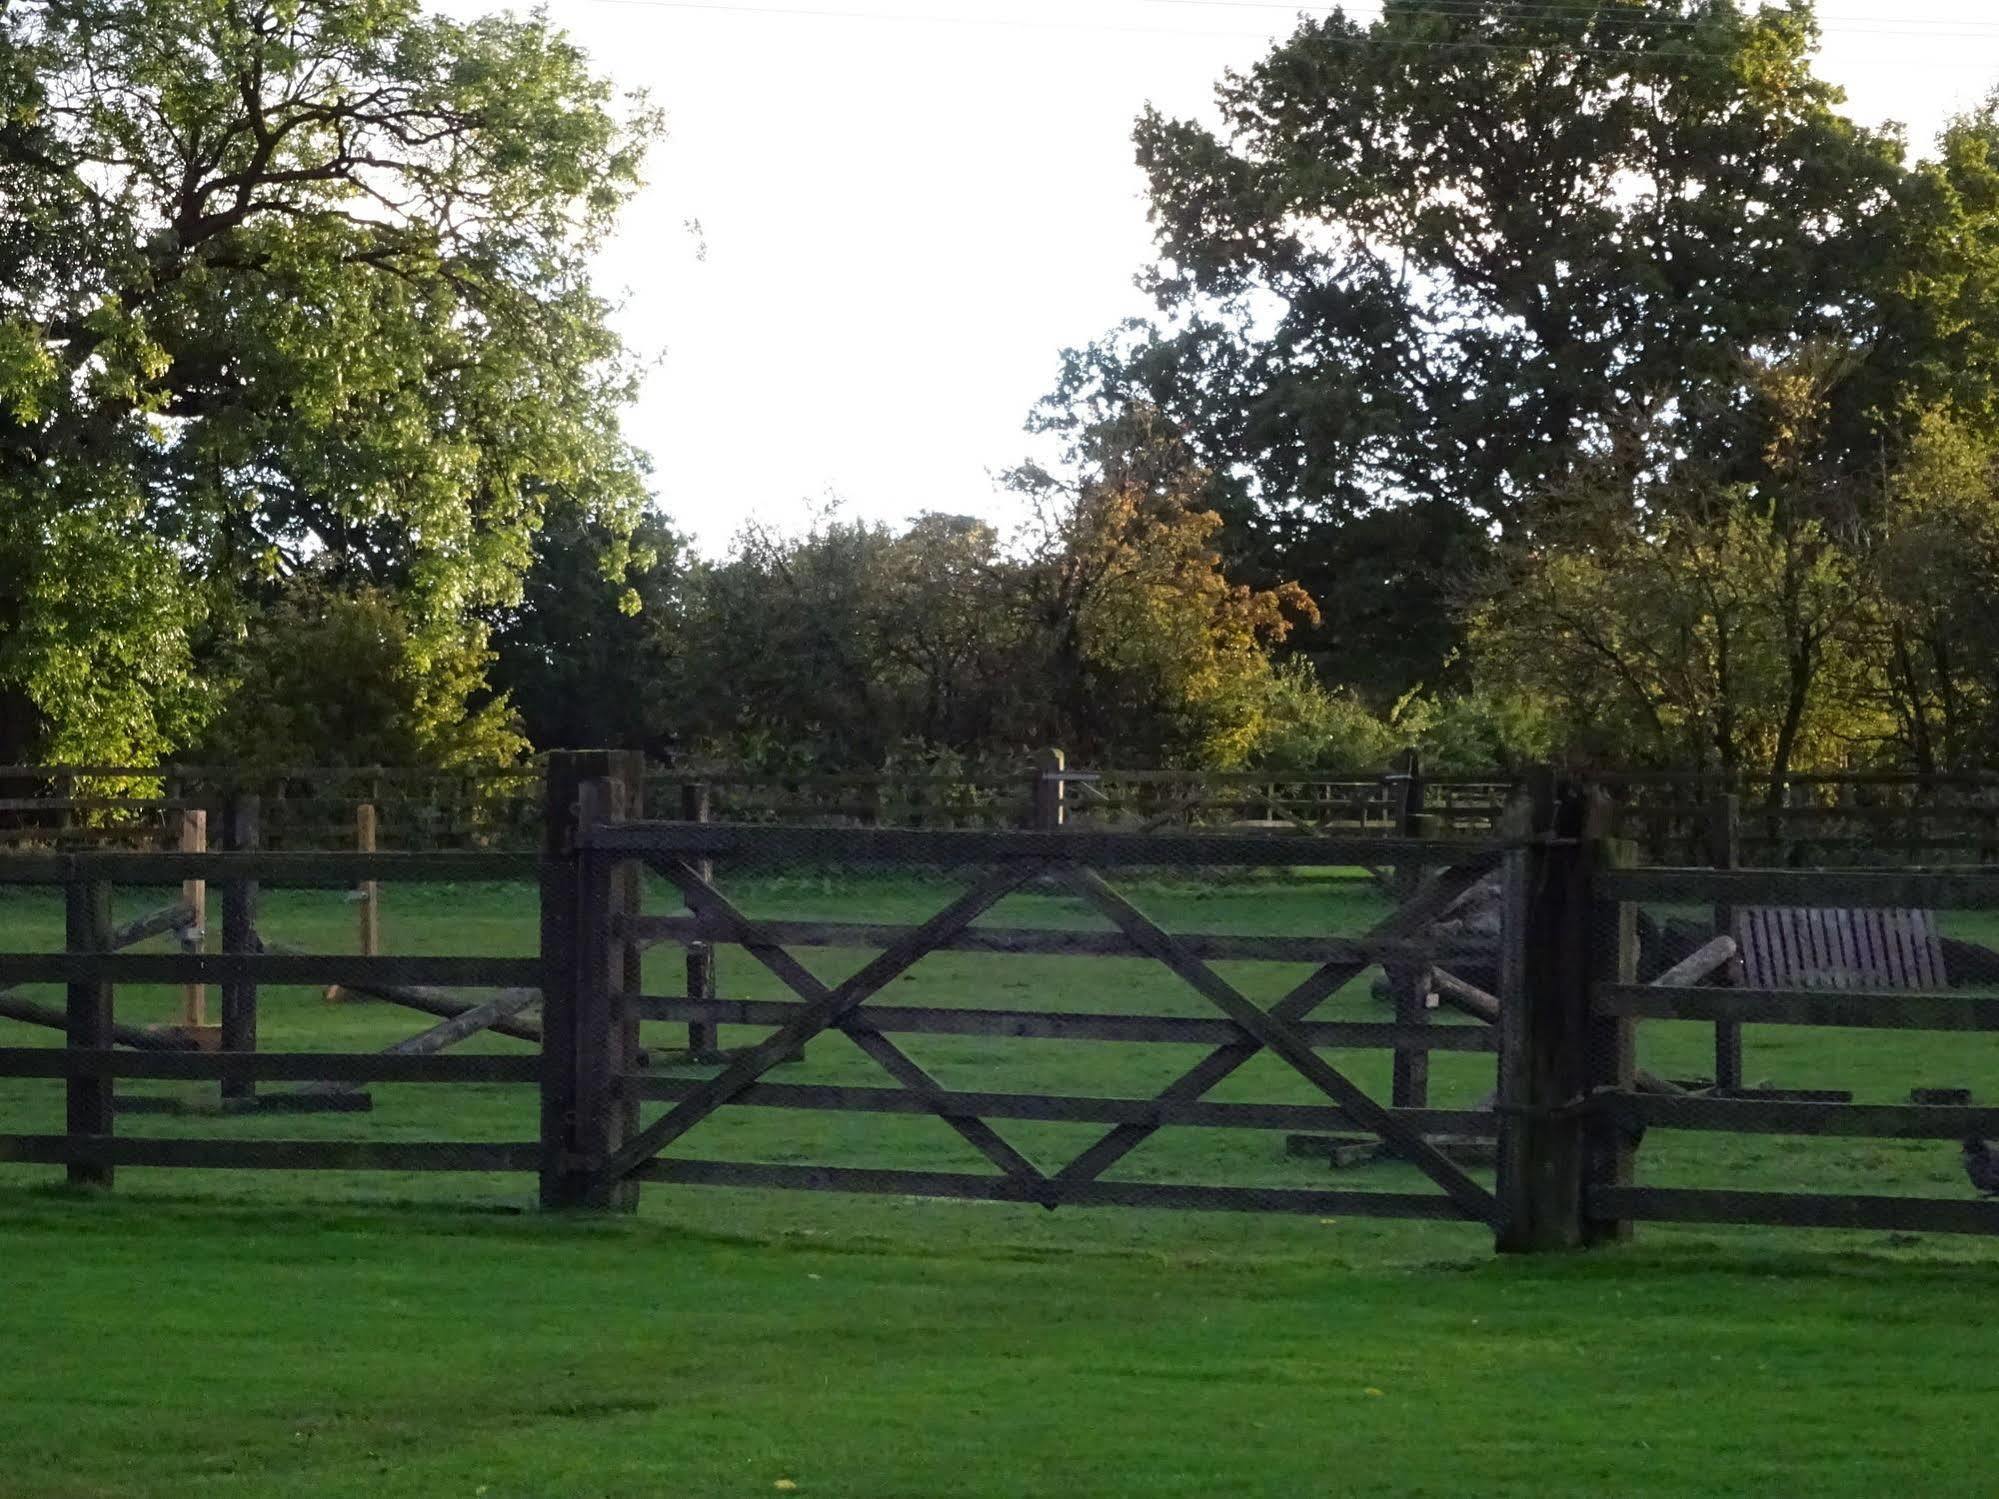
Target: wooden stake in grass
{"type": "Point", "coordinates": [194, 895]}
{"type": "Point", "coordinates": [368, 894]}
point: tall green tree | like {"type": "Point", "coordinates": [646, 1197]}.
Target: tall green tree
{"type": "Point", "coordinates": [1432, 264]}
{"type": "Point", "coordinates": [591, 655]}
{"type": "Point", "coordinates": [286, 286]}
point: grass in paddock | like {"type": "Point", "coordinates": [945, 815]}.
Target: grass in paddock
{"type": "Point", "coordinates": [161, 1349]}
{"type": "Point", "coordinates": [382, 1336]}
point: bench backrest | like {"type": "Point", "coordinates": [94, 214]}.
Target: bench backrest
{"type": "Point", "coordinates": [1785, 947]}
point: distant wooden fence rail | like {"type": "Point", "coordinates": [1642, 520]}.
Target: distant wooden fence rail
{"type": "Point", "coordinates": [1569, 1111]}
{"type": "Point", "coordinates": [1672, 817]}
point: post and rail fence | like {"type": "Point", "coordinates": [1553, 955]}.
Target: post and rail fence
{"type": "Point", "coordinates": [1568, 1112]}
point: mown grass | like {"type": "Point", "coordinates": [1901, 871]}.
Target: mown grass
{"type": "Point", "coordinates": [270, 1333]}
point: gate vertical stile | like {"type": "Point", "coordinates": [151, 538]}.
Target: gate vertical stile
{"type": "Point", "coordinates": [1610, 1156]}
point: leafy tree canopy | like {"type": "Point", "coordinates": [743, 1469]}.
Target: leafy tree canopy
{"type": "Point", "coordinates": [1432, 265]}
{"type": "Point", "coordinates": [285, 286]}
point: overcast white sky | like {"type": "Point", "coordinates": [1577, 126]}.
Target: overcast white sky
{"type": "Point", "coordinates": [910, 206]}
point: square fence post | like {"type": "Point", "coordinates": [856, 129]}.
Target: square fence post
{"type": "Point", "coordinates": [1544, 1042]}
{"type": "Point", "coordinates": [88, 1102]}
{"type": "Point", "coordinates": [589, 966]}
{"type": "Point", "coordinates": [239, 935]}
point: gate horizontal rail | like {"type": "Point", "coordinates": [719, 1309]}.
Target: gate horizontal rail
{"type": "Point", "coordinates": [1062, 1108]}
{"type": "Point", "coordinates": [965, 1185]}
{"type": "Point", "coordinates": [1055, 1025]}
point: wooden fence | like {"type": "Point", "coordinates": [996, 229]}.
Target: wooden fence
{"type": "Point", "coordinates": [1569, 1111]}
{"type": "Point", "coordinates": [1672, 817]}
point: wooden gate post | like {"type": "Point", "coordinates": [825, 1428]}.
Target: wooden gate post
{"type": "Point", "coordinates": [1543, 1058]}
{"type": "Point", "coordinates": [87, 929]}
{"type": "Point", "coordinates": [1725, 852]}
{"type": "Point", "coordinates": [703, 1036]}
{"type": "Point", "coordinates": [589, 1036]}
{"type": "Point", "coordinates": [239, 935]}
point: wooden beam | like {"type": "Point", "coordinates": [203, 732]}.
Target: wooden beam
{"type": "Point", "coordinates": [952, 848]}
{"type": "Point", "coordinates": [1843, 1120]}
{"type": "Point", "coordinates": [13, 1007]}
{"type": "Point", "coordinates": [194, 896]}
{"type": "Point", "coordinates": [239, 938]}
{"type": "Point", "coordinates": [267, 1155]}
{"type": "Point", "coordinates": [265, 1066]}
{"type": "Point", "coordinates": [1698, 964]}
{"type": "Point", "coordinates": [1469, 998]}
{"type": "Point", "coordinates": [1058, 1108]}
{"type": "Point", "coordinates": [1426, 1205]}
{"type": "Point", "coordinates": [1056, 942]}
{"type": "Point", "coordinates": [267, 966]}
{"type": "Point", "coordinates": [90, 1109]}
{"type": "Point", "coordinates": [166, 919]}
{"type": "Point", "coordinates": [1964, 889]}
{"type": "Point", "coordinates": [1063, 1025]}
{"type": "Point", "coordinates": [1879, 1010]}
{"type": "Point", "coordinates": [1796, 1210]}
{"type": "Point", "coordinates": [302, 871]}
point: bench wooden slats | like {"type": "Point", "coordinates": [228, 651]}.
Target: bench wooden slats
{"type": "Point", "coordinates": [1787, 947]}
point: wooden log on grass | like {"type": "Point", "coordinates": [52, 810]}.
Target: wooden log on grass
{"type": "Point", "coordinates": [503, 1006]}
{"type": "Point", "coordinates": [442, 1003]}
{"type": "Point", "coordinates": [171, 918]}
{"type": "Point", "coordinates": [14, 1007]}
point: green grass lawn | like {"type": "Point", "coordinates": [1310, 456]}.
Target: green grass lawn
{"type": "Point", "coordinates": [275, 1333]}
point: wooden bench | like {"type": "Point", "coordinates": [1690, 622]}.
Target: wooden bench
{"type": "Point", "coordinates": [1786, 947]}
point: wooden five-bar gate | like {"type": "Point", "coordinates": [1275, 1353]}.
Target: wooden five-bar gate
{"type": "Point", "coordinates": [1569, 1109]}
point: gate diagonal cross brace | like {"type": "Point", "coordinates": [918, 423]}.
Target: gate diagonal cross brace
{"type": "Point", "coordinates": [1120, 1141]}
{"type": "Point", "coordinates": [824, 1009]}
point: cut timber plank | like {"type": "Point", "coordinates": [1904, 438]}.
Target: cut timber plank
{"type": "Point", "coordinates": [13, 1007]}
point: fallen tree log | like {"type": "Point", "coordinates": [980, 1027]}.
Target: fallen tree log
{"type": "Point", "coordinates": [1474, 1001]}
{"type": "Point", "coordinates": [442, 1003]}
{"type": "Point", "coordinates": [167, 919]}
{"type": "Point", "coordinates": [1698, 964]}
{"type": "Point", "coordinates": [487, 1016]}
{"type": "Point", "coordinates": [1468, 998]}
{"type": "Point", "coordinates": [13, 1007]}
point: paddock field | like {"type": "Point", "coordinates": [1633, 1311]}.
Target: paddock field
{"type": "Point", "coordinates": [321, 1333]}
